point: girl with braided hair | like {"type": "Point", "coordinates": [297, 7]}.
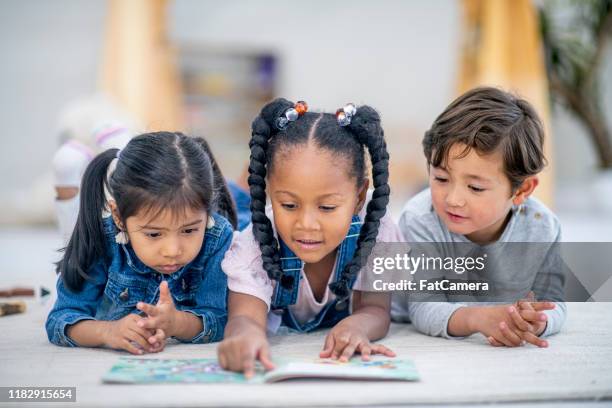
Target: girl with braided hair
{"type": "Point", "coordinates": [144, 259]}
{"type": "Point", "coordinates": [298, 263]}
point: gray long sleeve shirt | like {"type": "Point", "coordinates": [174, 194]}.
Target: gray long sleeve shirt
{"type": "Point", "coordinates": [531, 222]}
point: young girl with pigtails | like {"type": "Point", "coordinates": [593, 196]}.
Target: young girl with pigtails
{"type": "Point", "coordinates": [299, 262]}
{"type": "Point", "coordinates": [144, 260]}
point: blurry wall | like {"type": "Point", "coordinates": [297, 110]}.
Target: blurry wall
{"type": "Point", "coordinates": [397, 56]}
{"type": "Point", "coordinates": [50, 52]}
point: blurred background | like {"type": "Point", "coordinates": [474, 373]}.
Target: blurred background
{"type": "Point", "coordinates": [206, 67]}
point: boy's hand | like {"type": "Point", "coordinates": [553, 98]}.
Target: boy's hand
{"type": "Point", "coordinates": [126, 334]}
{"type": "Point", "coordinates": [240, 351]}
{"type": "Point", "coordinates": [528, 318]}
{"type": "Point", "coordinates": [162, 316]}
{"type": "Point", "coordinates": [532, 312]}
{"type": "Point", "coordinates": [497, 325]}
{"type": "Point", "coordinates": [344, 340]}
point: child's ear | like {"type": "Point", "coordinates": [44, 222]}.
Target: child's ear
{"type": "Point", "coordinates": [525, 190]}
{"type": "Point", "coordinates": [115, 213]}
{"type": "Point", "coordinates": [362, 194]}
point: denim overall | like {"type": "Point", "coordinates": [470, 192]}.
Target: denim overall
{"type": "Point", "coordinates": [292, 266]}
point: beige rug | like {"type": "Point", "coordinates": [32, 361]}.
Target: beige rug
{"type": "Point", "coordinates": [576, 366]}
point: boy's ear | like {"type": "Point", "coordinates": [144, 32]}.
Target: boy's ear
{"type": "Point", "coordinates": [525, 190]}
{"type": "Point", "coordinates": [362, 194]}
{"type": "Point", "coordinates": [115, 213]}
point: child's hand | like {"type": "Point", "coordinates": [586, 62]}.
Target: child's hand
{"type": "Point", "coordinates": [344, 340]}
{"type": "Point", "coordinates": [497, 325]}
{"type": "Point", "coordinates": [126, 334]}
{"type": "Point", "coordinates": [162, 316]}
{"type": "Point", "coordinates": [240, 351]}
{"type": "Point", "coordinates": [532, 312]}
{"type": "Point", "coordinates": [528, 317]}
{"type": "Point", "coordinates": [157, 341]}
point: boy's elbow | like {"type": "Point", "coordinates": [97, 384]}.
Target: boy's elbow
{"type": "Point", "coordinates": [419, 318]}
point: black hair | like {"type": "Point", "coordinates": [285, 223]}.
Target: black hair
{"type": "Point", "coordinates": [154, 172]}
{"type": "Point", "coordinates": [349, 142]}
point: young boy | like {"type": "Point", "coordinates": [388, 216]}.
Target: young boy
{"type": "Point", "coordinates": [484, 153]}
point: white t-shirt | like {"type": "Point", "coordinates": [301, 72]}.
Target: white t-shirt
{"type": "Point", "coordinates": [244, 268]}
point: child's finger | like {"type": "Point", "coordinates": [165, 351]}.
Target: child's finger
{"type": "Point", "coordinates": [232, 358]}
{"type": "Point", "coordinates": [264, 357]}
{"type": "Point", "coordinates": [531, 297]}
{"type": "Point", "coordinates": [533, 316]}
{"type": "Point", "coordinates": [144, 332]}
{"type": "Point", "coordinates": [342, 340]}
{"type": "Point", "coordinates": [150, 323]}
{"type": "Point", "coordinates": [158, 337]}
{"type": "Point", "coordinates": [164, 293]}
{"type": "Point", "coordinates": [384, 350]}
{"type": "Point", "coordinates": [539, 306]}
{"type": "Point", "coordinates": [248, 363]}
{"type": "Point", "coordinates": [348, 351]}
{"type": "Point", "coordinates": [130, 348]}
{"type": "Point", "coordinates": [157, 347]}
{"type": "Point", "coordinates": [514, 340]}
{"type": "Point", "coordinates": [518, 320]}
{"type": "Point", "coordinates": [365, 351]}
{"type": "Point", "coordinates": [503, 340]}
{"type": "Point", "coordinates": [494, 342]}
{"type": "Point", "coordinates": [328, 347]}
{"type": "Point", "coordinates": [222, 361]}
{"type": "Point", "coordinates": [139, 339]}
{"type": "Point", "coordinates": [524, 305]}
{"type": "Point", "coordinates": [147, 308]}
{"type": "Point", "coordinates": [535, 340]}
{"type": "Point", "coordinates": [340, 343]}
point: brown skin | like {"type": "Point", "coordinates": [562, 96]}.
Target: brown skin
{"type": "Point", "coordinates": [164, 243]}
{"type": "Point", "coordinates": [245, 339]}
{"type": "Point", "coordinates": [473, 197]}
{"type": "Point", "coordinates": [313, 206]}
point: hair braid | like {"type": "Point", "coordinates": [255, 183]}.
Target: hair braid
{"type": "Point", "coordinates": [365, 125]}
{"type": "Point", "coordinates": [263, 128]}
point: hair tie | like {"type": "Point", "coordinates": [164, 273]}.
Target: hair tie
{"type": "Point", "coordinates": [340, 288]}
{"type": "Point", "coordinates": [112, 166]}
{"type": "Point", "coordinates": [291, 115]}
{"type": "Point", "coordinates": [345, 114]}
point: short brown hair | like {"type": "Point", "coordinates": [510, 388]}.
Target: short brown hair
{"type": "Point", "coordinates": [487, 119]}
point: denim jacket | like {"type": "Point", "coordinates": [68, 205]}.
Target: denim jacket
{"type": "Point", "coordinates": [332, 313]}
{"type": "Point", "coordinates": [118, 282]}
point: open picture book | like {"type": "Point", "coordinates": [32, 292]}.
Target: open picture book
{"type": "Point", "coordinates": [130, 370]}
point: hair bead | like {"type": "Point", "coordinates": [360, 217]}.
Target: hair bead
{"type": "Point", "coordinates": [291, 115]}
{"type": "Point", "coordinates": [345, 114]}
{"type": "Point", "coordinates": [301, 107]}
